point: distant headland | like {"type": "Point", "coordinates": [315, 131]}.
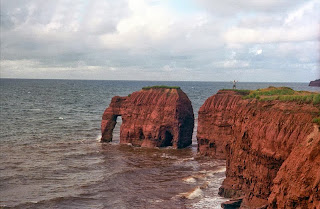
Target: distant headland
{"type": "Point", "coordinates": [315, 83]}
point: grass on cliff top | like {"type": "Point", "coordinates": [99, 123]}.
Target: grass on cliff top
{"type": "Point", "coordinates": [282, 94]}
{"type": "Point", "coordinates": [316, 120]}
{"type": "Point", "coordinates": [160, 87]}
{"type": "Point", "coordinates": [241, 91]}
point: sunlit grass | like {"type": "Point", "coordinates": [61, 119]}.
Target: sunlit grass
{"type": "Point", "coordinates": [241, 91]}
{"type": "Point", "coordinates": [280, 93]}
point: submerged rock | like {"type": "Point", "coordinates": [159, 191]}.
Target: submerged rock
{"type": "Point", "coordinates": [232, 204]}
{"type": "Point", "coordinates": [272, 149]}
{"type": "Point", "coordinates": [152, 117]}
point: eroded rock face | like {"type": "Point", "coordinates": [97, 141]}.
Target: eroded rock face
{"type": "Point", "coordinates": [266, 147]}
{"type": "Point", "coordinates": [297, 184]}
{"type": "Point", "coordinates": [215, 122]}
{"type": "Point", "coordinates": [151, 118]}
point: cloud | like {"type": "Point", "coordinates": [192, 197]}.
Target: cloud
{"type": "Point", "coordinates": [299, 25]}
{"type": "Point", "coordinates": [147, 39]}
{"type": "Point", "coordinates": [146, 23]}
{"type": "Point", "coordinates": [231, 7]}
{"type": "Point", "coordinates": [269, 35]}
{"type": "Point", "coordinates": [259, 51]}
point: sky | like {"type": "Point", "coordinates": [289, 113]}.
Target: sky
{"type": "Point", "coordinates": [178, 40]}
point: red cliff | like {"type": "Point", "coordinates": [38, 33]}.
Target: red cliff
{"type": "Point", "coordinates": [297, 184]}
{"type": "Point", "coordinates": [152, 117]}
{"type": "Point", "coordinates": [215, 123]}
{"type": "Point", "coordinates": [271, 147]}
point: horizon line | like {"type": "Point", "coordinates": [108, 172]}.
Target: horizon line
{"type": "Point", "coordinates": [78, 79]}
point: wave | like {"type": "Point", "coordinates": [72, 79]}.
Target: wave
{"type": "Point", "coordinates": [98, 138]}
{"type": "Point", "coordinates": [209, 203]}
{"type": "Point", "coordinates": [190, 179]}
{"type": "Point", "coordinates": [210, 173]}
{"type": "Point", "coordinates": [193, 194]}
{"type": "Point", "coordinates": [67, 201]}
{"type": "Point", "coordinates": [167, 156]}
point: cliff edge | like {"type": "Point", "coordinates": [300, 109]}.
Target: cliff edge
{"type": "Point", "coordinates": [156, 116]}
{"type": "Point", "coordinates": [270, 143]}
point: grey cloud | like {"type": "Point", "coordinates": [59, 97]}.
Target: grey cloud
{"type": "Point", "coordinates": [190, 49]}
{"type": "Point", "coordinates": [94, 16]}
{"type": "Point", "coordinates": [262, 20]}
{"type": "Point", "coordinates": [18, 12]}
{"type": "Point", "coordinates": [99, 19]}
{"type": "Point", "coordinates": [233, 7]}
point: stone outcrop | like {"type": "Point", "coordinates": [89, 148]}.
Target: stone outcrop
{"type": "Point", "coordinates": [315, 83]}
{"type": "Point", "coordinates": [231, 204]}
{"type": "Point", "coordinates": [271, 149]}
{"type": "Point", "coordinates": [152, 117]}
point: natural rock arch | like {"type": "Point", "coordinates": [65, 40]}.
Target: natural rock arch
{"type": "Point", "coordinates": [152, 117]}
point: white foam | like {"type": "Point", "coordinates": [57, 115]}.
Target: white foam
{"type": "Point", "coordinates": [211, 173]}
{"type": "Point", "coordinates": [197, 192]}
{"type": "Point", "coordinates": [220, 170]}
{"type": "Point", "coordinates": [209, 203]}
{"type": "Point", "coordinates": [199, 176]}
{"type": "Point", "coordinates": [98, 138]}
{"type": "Point", "coordinates": [156, 201]}
{"type": "Point", "coordinates": [189, 180]}
{"type": "Point", "coordinates": [164, 155]}
{"type": "Point", "coordinates": [188, 159]}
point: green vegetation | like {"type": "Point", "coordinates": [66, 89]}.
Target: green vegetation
{"type": "Point", "coordinates": [316, 120]}
{"type": "Point", "coordinates": [270, 91]}
{"type": "Point", "coordinates": [160, 87]}
{"type": "Point", "coordinates": [316, 99]}
{"type": "Point", "coordinates": [282, 94]}
{"type": "Point", "coordinates": [241, 91]}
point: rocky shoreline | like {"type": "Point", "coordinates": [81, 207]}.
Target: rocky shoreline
{"type": "Point", "coordinates": [272, 150]}
{"type": "Point", "coordinates": [271, 143]}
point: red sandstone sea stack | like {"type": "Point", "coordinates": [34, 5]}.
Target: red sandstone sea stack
{"type": "Point", "coordinates": [153, 117]}
{"type": "Point", "coordinates": [272, 149]}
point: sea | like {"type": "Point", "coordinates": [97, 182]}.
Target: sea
{"type": "Point", "coordinates": [51, 156]}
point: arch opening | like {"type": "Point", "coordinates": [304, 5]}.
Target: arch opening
{"type": "Point", "coordinates": [112, 125]}
{"type": "Point", "coordinates": [116, 130]}
{"type": "Point", "coordinates": [141, 134]}
{"type": "Point", "coordinates": [168, 139]}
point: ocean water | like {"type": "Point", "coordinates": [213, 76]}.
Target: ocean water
{"type": "Point", "coordinates": [51, 156]}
